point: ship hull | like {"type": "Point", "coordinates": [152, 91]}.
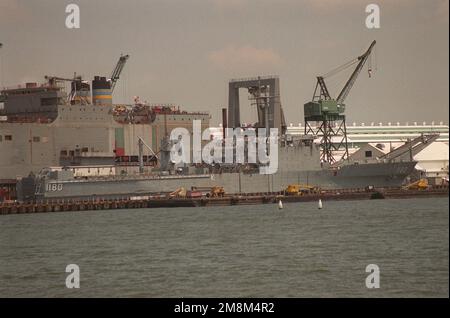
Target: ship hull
{"type": "Point", "coordinates": [351, 176]}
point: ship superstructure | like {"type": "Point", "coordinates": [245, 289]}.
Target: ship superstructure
{"type": "Point", "coordinates": [43, 125]}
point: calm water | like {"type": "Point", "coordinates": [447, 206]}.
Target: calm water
{"type": "Point", "coordinates": [241, 251]}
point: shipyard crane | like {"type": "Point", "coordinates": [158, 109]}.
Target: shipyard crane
{"type": "Point", "coordinates": [52, 80]}
{"type": "Point", "coordinates": [328, 112]}
{"type": "Point", "coordinates": [117, 70]}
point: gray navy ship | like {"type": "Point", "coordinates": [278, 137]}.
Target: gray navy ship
{"type": "Point", "coordinates": [75, 143]}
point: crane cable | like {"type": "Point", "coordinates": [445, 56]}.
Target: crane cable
{"type": "Point", "coordinates": [353, 62]}
{"type": "Point", "coordinates": [375, 58]}
{"type": "Point", "coordinates": [372, 67]}
{"type": "Point", "coordinates": [341, 68]}
{"type": "Point", "coordinates": [336, 83]}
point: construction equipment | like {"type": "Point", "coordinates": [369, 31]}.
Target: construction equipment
{"type": "Point", "coordinates": [292, 189]}
{"type": "Point", "coordinates": [421, 184]}
{"type": "Point", "coordinates": [300, 189]}
{"type": "Point", "coordinates": [178, 193]}
{"type": "Point", "coordinates": [328, 113]}
{"type": "Point", "coordinates": [117, 70]}
{"type": "Point", "coordinates": [215, 191]}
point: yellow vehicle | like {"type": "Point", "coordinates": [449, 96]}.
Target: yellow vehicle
{"type": "Point", "coordinates": [421, 184]}
{"type": "Point", "coordinates": [299, 189]}
{"type": "Point", "coordinates": [292, 189]}
{"type": "Point", "coordinates": [215, 191]}
{"type": "Point", "coordinates": [178, 193]}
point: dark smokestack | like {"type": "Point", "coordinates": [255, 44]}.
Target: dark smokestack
{"type": "Point", "coordinates": [224, 122]}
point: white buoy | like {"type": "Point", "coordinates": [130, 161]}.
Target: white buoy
{"type": "Point", "coordinates": [320, 204]}
{"type": "Point", "coordinates": [280, 205]}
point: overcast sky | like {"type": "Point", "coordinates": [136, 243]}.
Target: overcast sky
{"type": "Point", "coordinates": [185, 51]}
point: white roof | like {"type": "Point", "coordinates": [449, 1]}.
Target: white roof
{"type": "Point", "coordinates": [435, 151]}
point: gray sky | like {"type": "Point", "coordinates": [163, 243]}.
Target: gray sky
{"type": "Point", "coordinates": [185, 51]}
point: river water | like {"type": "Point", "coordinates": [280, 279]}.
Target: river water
{"type": "Point", "coordinates": [238, 251]}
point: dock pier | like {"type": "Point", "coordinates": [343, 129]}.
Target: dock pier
{"type": "Point", "coordinates": [161, 201]}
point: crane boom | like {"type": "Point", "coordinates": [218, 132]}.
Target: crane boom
{"type": "Point", "coordinates": [323, 88]}
{"type": "Point", "coordinates": [52, 80]}
{"type": "Point", "coordinates": [117, 70]}
{"type": "Point", "coordinates": [56, 78]}
{"type": "Point", "coordinates": [348, 86]}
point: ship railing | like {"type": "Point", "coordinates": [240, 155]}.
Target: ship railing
{"type": "Point", "coordinates": [127, 177]}
{"type": "Point", "coordinates": [253, 78]}
{"type": "Point", "coordinates": [24, 86]}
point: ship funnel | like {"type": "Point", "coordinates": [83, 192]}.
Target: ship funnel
{"type": "Point", "coordinates": [101, 91]}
